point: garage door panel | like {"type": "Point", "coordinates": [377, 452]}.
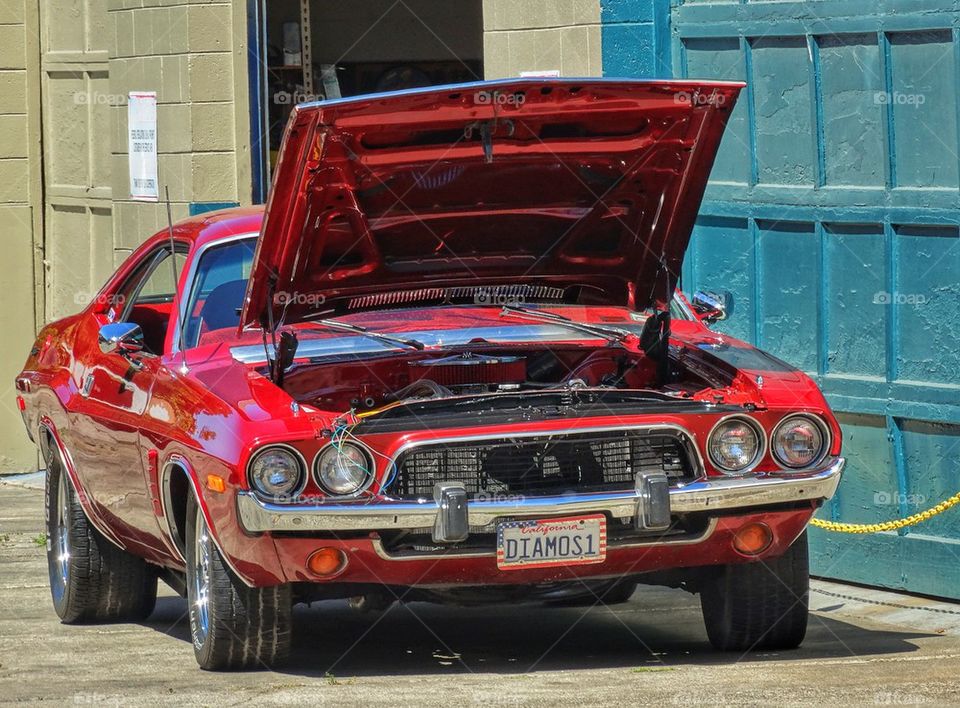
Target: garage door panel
{"type": "Point", "coordinates": [722, 58]}
{"type": "Point", "coordinates": [923, 102]}
{"type": "Point", "coordinates": [782, 109]}
{"type": "Point", "coordinates": [853, 137]}
{"type": "Point", "coordinates": [855, 278]}
{"type": "Point", "coordinates": [76, 156]}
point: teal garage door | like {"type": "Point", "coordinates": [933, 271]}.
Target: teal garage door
{"type": "Point", "coordinates": [832, 217]}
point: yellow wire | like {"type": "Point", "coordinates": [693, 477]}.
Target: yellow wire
{"type": "Point", "coordinates": [912, 520]}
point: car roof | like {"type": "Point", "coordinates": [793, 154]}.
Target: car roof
{"type": "Point", "coordinates": [216, 225]}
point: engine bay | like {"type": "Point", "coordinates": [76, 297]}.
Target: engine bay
{"type": "Point", "coordinates": [370, 384]}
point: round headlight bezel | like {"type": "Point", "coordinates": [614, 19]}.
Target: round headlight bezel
{"type": "Point", "coordinates": [331, 448]}
{"type": "Point", "coordinates": [298, 459]}
{"type": "Point", "coordinates": [826, 438]}
{"type": "Point", "coordinates": [761, 444]}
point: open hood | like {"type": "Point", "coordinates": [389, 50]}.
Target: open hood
{"type": "Point", "coordinates": [581, 191]}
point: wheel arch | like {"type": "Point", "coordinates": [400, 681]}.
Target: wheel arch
{"type": "Point", "coordinates": [50, 442]}
{"type": "Point", "coordinates": [178, 483]}
{"type": "Point", "coordinates": [176, 491]}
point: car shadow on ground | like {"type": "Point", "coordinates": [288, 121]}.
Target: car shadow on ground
{"type": "Point", "coordinates": [650, 633]}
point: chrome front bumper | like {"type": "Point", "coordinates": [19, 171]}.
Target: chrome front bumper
{"type": "Point", "coordinates": [716, 494]}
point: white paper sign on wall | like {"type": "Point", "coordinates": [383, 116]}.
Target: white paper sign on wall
{"type": "Point", "coordinates": [142, 145]}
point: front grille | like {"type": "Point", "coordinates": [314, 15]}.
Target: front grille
{"type": "Point", "coordinates": [542, 466]}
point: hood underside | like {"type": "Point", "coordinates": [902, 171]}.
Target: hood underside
{"type": "Point", "coordinates": [552, 190]}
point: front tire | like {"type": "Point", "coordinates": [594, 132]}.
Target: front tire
{"type": "Point", "coordinates": [91, 580]}
{"type": "Point", "coordinates": [759, 605]}
{"type": "Point", "coordinates": [232, 626]}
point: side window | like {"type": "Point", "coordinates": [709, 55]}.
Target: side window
{"type": "Point", "coordinates": [148, 297]}
{"type": "Point", "coordinates": [159, 286]}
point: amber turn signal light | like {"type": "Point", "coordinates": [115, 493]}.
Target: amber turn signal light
{"type": "Point", "coordinates": [753, 539]}
{"type": "Point", "coordinates": [215, 483]}
{"type": "Point", "coordinates": [327, 561]}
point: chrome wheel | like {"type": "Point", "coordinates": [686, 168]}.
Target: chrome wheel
{"type": "Point", "coordinates": [60, 543]}
{"type": "Point", "coordinates": [199, 606]}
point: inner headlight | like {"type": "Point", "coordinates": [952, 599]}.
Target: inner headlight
{"type": "Point", "coordinates": [276, 472]}
{"type": "Point", "coordinates": [343, 469]}
{"type": "Point", "coordinates": [734, 445]}
{"type": "Point", "coordinates": [798, 442]}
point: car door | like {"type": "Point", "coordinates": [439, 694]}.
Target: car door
{"type": "Point", "coordinates": [104, 437]}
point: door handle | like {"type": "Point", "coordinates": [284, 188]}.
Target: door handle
{"type": "Point", "coordinates": [87, 385]}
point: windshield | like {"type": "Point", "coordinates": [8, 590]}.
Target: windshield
{"type": "Point", "coordinates": [219, 285]}
{"type": "Point", "coordinates": [220, 282]}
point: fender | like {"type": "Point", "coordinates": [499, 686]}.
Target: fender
{"type": "Point", "coordinates": [82, 496]}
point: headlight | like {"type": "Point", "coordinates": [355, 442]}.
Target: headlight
{"type": "Point", "coordinates": [734, 445]}
{"type": "Point", "coordinates": [343, 469]}
{"type": "Point", "coordinates": [276, 472]}
{"type": "Point", "coordinates": [799, 442]}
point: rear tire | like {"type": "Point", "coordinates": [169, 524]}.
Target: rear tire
{"type": "Point", "coordinates": [232, 626]}
{"type": "Point", "coordinates": [91, 580]}
{"type": "Point", "coordinates": [759, 605]}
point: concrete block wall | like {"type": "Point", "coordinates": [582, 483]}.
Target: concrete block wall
{"type": "Point", "coordinates": [194, 55]}
{"type": "Point", "coordinates": [21, 272]}
{"type": "Point", "coordinates": [541, 35]}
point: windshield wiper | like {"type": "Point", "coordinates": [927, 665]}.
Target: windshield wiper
{"type": "Point", "coordinates": [611, 334]}
{"type": "Point", "coordinates": [380, 336]}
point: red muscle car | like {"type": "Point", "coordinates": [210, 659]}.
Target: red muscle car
{"type": "Point", "coordinates": [448, 362]}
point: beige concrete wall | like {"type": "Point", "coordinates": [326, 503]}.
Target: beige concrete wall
{"type": "Point", "coordinates": [541, 35]}
{"type": "Point", "coordinates": [21, 216]}
{"type": "Point", "coordinates": [194, 55]}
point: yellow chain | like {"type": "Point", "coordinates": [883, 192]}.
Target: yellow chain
{"type": "Point", "coordinates": [887, 525]}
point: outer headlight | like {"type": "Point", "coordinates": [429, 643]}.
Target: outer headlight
{"type": "Point", "coordinates": [276, 472]}
{"type": "Point", "coordinates": [343, 469]}
{"type": "Point", "coordinates": [735, 445]}
{"type": "Point", "coordinates": [799, 441]}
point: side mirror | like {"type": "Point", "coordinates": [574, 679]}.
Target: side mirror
{"type": "Point", "coordinates": [709, 306]}
{"type": "Point", "coordinates": [123, 338]}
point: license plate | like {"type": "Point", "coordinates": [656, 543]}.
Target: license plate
{"type": "Point", "coordinates": [548, 543]}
